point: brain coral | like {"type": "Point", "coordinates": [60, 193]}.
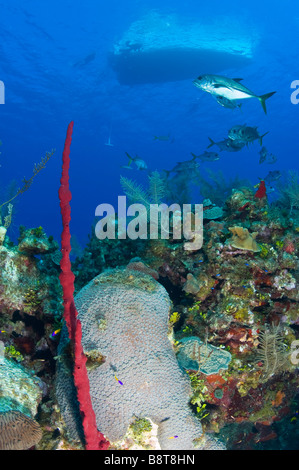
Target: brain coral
{"type": "Point", "coordinates": [134, 372]}
{"type": "Point", "coordinates": [18, 431]}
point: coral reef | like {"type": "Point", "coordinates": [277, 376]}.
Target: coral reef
{"type": "Point", "coordinates": [28, 276]}
{"type": "Point", "coordinates": [34, 241]}
{"type": "Point", "coordinates": [203, 337]}
{"type": "Point", "coordinates": [226, 296]}
{"type": "Point", "coordinates": [99, 255]}
{"type": "Point", "coordinates": [137, 352]}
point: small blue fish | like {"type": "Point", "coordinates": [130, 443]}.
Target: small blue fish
{"type": "Point", "coordinates": [118, 380]}
{"type": "Point", "coordinates": [55, 333]}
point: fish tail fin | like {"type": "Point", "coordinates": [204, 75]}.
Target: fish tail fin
{"type": "Point", "coordinates": [194, 156]}
{"type": "Point", "coordinates": [261, 138]}
{"type": "Point", "coordinates": [211, 144]}
{"type": "Point", "coordinates": [155, 137]}
{"type": "Point", "coordinates": [263, 99]}
{"type": "Point", "coordinates": [131, 159]}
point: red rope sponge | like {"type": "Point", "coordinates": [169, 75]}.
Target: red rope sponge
{"type": "Point", "coordinates": [261, 192]}
{"type": "Point", "coordinates": [93, 438]}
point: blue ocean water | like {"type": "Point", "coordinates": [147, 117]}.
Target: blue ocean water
{"type": "Point", "coordinates": [55, 67]}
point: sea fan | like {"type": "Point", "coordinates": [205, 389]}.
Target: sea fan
{"type": "Point", "coordinates": [289, 190]}
{"type": "Point", "coordinates": [272, 352]}
{"type": "Point", "coordinates": [156, 187]}
{"type": "Point", "coordinates": [134, 192]}
{"type": "Point", "coordinates": [217, 187]}
{"type": "Point", "coordinates": [137, 194]}
{"type": "Point", "coordinates": [27, 183]}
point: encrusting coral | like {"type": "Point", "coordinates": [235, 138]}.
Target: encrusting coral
{"type": "Point", "coordinates": [140, 375]}
{"type": "Point", "coordinates": [211, 211]}
{"type": "Point", "coordinates": [18, 389]}
{"type": "Point", "coordinates": [242, 239]}
{"type": "Point", "coordinates": [197, 355]}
